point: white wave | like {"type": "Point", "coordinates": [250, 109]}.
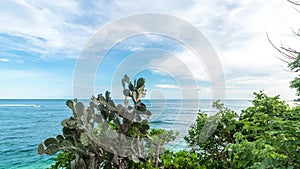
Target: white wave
{"type": "Point", "coordinates": [19, 105]}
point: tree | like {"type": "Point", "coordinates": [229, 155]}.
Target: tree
{"type": "Point", "coordinates": [270, 136]}
{"type": "Point", "coordinates": [107, 135]}
{"type": "Point", "coordinates": [291, 56]}
{"type": "Point", "coordinates": [212, 152]}
{"type": "Point", "coordinates": [264, 135]}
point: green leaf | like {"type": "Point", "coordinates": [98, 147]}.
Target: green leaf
{"type": "Point", "coordinates": [89, 114]}
{"type": "Point", "coordinates": [59, 138]}
{"type": "Point", "coordinates": [68, 131]}
{"type": "Point", "coordinates": [111, 105]}
{"type": "Point", "coordinates": [140, 82]}
{"type": "Point", "coordinates": [70, 104]}
{"type": "Point", "coordinates": [50, 141]}
{"type": "Point", "coordinates": [141, 107]}
{"type": "Point", "coordinates": [126, 92]}
{"type": "Point", "coordinates": [107, 93]}
{"type": "Point", "coordinates": [70, 123]}
{"type": "Point", "coordinates": [134, 83]}
{"type": "Point", "coordinates": [130, 86]}
{"type": "Point", "coordinates": [70, 139]}
{"type": "Point", "coordinates": [79, 109]}
{"type": "Point", "coordinates": [101, 98]}
{"type": "Point", "coordinates": [144, 128]}
{"type": "Point", "coordinates": [123, 83]}
{"type": "Point", "coordinates": [126, 78]}
{"type": "Point", "coordinates": [52, 149]}
{"type": "Point", "coordinates": [84, 139]}
{"type": "Point", "coordinates": [111, 116]}
{"type": "Point", "coordinates": [41, 150]}
{"type": "Point", "coordinates": [104, 114]}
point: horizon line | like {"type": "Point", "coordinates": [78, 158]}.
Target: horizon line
{"type": "Point", "coordinates": [67, 98]}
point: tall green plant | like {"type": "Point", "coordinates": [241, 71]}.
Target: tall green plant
{"type": "Point", "coordinates": [110, 136]}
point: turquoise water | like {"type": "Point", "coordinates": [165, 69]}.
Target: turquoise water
{"type": "Point", "coordinates": [26, 123]}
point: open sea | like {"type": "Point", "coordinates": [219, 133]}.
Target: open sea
{"type": "Point", "coordinates": [26, 123]}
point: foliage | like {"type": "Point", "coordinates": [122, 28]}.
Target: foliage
{"type": "Point", "coordinates": [294, 65]}
{"type": "Point", "coordinates": [172, 160]}
{"type": "Point", "coordinates": [181, 160]}
{"type": "Point", "coordinates": [296, 84]}
{"type": "Point", "coordinates": [109, 136]}
{"type": "Point", "coordinates": [63, 160]}
{"type": "Point", "coordinates": [212, 152]}
{"type": "Point", "coordinates": [265, 135]}
{"type": "Point", "coordinates": [270, 137]}
{"type": "Point", "coordinates": [103, 135]}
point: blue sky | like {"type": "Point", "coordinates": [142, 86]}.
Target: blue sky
{"type": "Point", "coordinates": [40, 42]}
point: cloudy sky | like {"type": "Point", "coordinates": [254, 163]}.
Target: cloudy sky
{"type": "Point", "coordinates": [40, 42]}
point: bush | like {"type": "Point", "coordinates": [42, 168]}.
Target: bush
{"type": "Point", "coordinates": [180, 160]}
{"type": "Point", "coordinates": [265, 135]}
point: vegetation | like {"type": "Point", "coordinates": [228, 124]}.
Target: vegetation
{"type": "Point", "coordinates": [109, 136]}
{"type": "Point", "coordinates": [212, 152]}
{"type": "Point", "coordinates": [181, 160]}
{"type": "Point", "coordinates": [264, 135]}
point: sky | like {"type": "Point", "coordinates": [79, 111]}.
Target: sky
{"type": "Point", "coordinates": [41, 41]}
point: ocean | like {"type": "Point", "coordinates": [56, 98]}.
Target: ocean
{"type": "Point", "coordinates": [26, 123]}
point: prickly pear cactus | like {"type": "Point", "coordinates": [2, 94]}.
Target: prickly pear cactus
{"type": "Point", "coordinates": [104, 134]}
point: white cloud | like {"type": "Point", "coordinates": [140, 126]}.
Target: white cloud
{"type": "Point", "coordinates": [183, 65]}
{"type": "Point", "coordinates": [4, 60]}
{"type": "Point", "coordinates": [235, 28]}
{"type": "Point", "coordinates": [29, 20]}
{"type": "Point", "coordinates": [166, 86]}
{"type": "Point", "coordinates": [239, 36]}
{"type": "Point", "coordinates": [47, 27]}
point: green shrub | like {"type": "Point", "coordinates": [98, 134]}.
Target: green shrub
{"type": "Point", "coordinates": [265, 135]}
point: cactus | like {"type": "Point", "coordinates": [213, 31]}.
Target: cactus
{"type": "Point", "coordinates": [107, 134]}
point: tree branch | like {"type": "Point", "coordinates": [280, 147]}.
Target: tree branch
{"type": "Point", "coordinates": [294, 2]}
{"type": "Point", "coordinates": [283, 53]}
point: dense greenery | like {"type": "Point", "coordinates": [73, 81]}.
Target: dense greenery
{"type": "Point", "coordinates": [212, 152]}
{"type": "Point", "coordinates": [181, 160]}
{"type": "Point", "coordinates": [63, 160]}
{"type": "Point", "coordinates": [264, 135]}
